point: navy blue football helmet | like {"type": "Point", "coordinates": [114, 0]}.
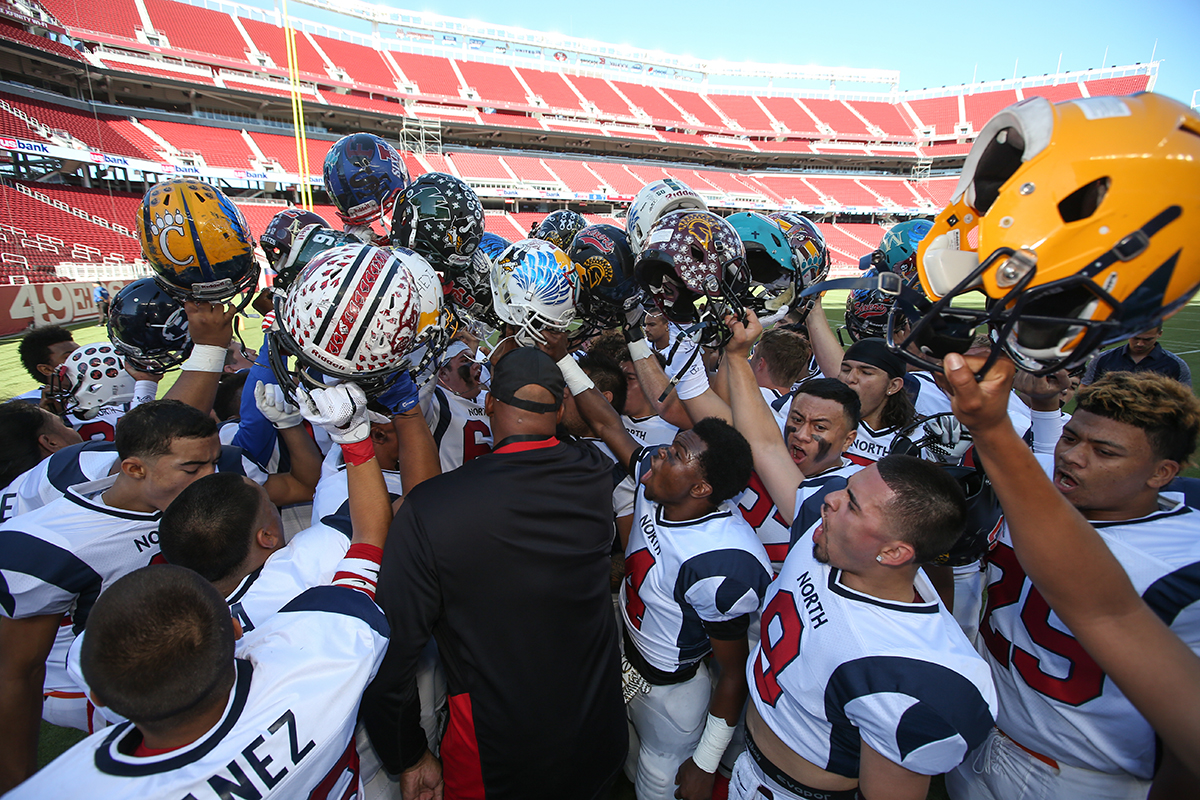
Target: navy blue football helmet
{"type": "Point", "coordinates": [439, 217]}
{"type": "Point", "coordinates": [148, 327]}
{"type": "Point", "coordinates": [608, 287]}
{"type": "Point", "coordinates": [363, 175]}
{"type": "Point", "coordinates": [281, 231]}
{"type": "Point", "coordinates": [559, 228]}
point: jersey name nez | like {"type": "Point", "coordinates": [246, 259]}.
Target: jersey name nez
{"type": "Point", "coordinates": [260, 764]}
{"type": "Point", "coordinates": [812, 601]}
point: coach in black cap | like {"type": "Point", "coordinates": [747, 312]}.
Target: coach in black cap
{"type": "Point", "coordinates": [505, 562]}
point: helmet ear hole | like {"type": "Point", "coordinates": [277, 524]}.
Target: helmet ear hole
{"type": "Point", "coordinates": [698, 253]}
{"type": "Point", "coordinates": [1083, 202]}
{"type": "Point", "coordinates": [999, 161]}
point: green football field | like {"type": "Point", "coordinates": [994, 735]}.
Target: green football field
{"type": "Point", "coordinates": [1181, 336]}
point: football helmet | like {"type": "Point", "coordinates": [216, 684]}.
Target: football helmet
{"type": "Point", "coordinates": [469, 295]}
{"type": "Point", "coordinates": [654, 201]}
{"type": "Point", "coordinates": [307, 245]}
{"type": "Point", "coordinates": [439, 217]}
{"type": "Point", "coordinates": [769, 256]}
{"type": "Point", "coordinates": [363, 174]}
{"type": "Point", "coordinates": [197, 241]}
{"type": "Point", "coordinates": [493, 245]}
{"type": "Point", "coordinates": [435, 323]}
{"type": "Point", "coordinates": [352, 314]}
{"type": "Point", "coordinates": [608, 287]}
{"type": "Point", "coordinates": [868, 312]}
{"type": "Point", "coordinates": [283, 229]}
{"type": "Point", "coordinates": [693, 267]}
{"type": "Point", "coordinates": [534, 286]}
{"type": "Point", "coordinates": [559, 228]}
{"type": "Point", "coordinates": [148, 327]}
{"type": "Point", "coordinates": [808, 247]}
{"type": "Point", "coordinates": [91, 377]}
{"type": "Point", "coordinates": [981, 530]}
{"type": "Point", "coordinates": [1075, 219]}
{"type": "Point", "coordinates": [897, 251]}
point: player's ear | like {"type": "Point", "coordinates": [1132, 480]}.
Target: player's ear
{"type": "Point", "coordinates": [1164, 472]}
{"type": "Point", "coordinates": [701, 489]}
{"type": "Point", "coordinates": [608, 396]}
{"type": "Point", "coordinates": [897, 554]}
{"type": "Point", "coordinates": [267, 539]}
{"type": "Point", "coordinates": [850, 437]}
{"type": "Point", "coordinates": [237, 629]}
{"type": "Point", "coordinates": [134, 467]}
{"type": "Point", "coordinates": [489, 405]}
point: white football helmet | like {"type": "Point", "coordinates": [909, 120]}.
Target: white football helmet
{"type": "Point", "coordinates": [534, 286]}
{"type": "Point", "coordinates": [435, 324]}
{"type": "Point", "coordinates": [92, 376]}
{"type": "Point", "coordinates": [352, 314]}
{"type": "Point", "coordinates": [654, 201]}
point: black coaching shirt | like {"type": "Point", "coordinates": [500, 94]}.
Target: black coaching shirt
{"type": "Point", "coordinates": [505, 561]}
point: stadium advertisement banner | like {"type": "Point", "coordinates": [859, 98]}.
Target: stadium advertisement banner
{"type": "Point", "coordinates": [39, 304]}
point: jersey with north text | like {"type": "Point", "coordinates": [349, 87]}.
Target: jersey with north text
{"type": "Point", "coordinates": [835, 665]}
{"type": "Point", "coordinates": [461, 429]}
{"type": "Point", "coordinates": [684, 581]}
{"type": "Point", "coordinates": [90, 461]}
{"type": "Point", "coordinates": [1054, 698]}
{"type": "Point", "coordinates": [650, 430]}
{"type": "Point", "coordinates": [286, 732]}
{"type": "Point", "coordinates": [58, 558]}
{"type": "Point", "coordinates": [870, 445]}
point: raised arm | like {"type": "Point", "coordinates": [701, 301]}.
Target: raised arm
{"type": "Point", "coordinates": [1075, 572]}
{"type": "Point", "coordinates": [754, 420]}
{"type": "Point", "coordinates": [827, 350]}
{"type": "Point", "coordinates": [691, 399]}
{"type": "Point", "coordinates": [210, 326]}
{"type": "Point", "coordinates": [297, 485]}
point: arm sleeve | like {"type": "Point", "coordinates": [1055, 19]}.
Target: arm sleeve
{"type": "Point", "coordinates": [1185, 372]}
{"type": "Point", "coordinates": [38, 577]}
{"type": "Point", "coordinates": [722, 585]}
{"type": "Point", "coordinates": [410, 594]}
{"type": "Point", "coordinates": [256, 435]}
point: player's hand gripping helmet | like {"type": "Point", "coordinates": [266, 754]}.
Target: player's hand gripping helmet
{"type": "Point", "coordinates": [440, 218]}
{"type": "Point", "coordinates": [352, 314]}
{"type": "Point", "coordinates": [197, 241]}
{"type": "Point", "coordinates": [91, 377]}
{"type": "Point", "coordinates": [607, 285]}
{"type": "Point", "coordinates": [148, 327]}
{"type": "Point", "coordinates": [981, 531]}
{"type": "Point", "coordinates": [282, 231]}
{"type": "Point", "coordinates": [897, 251]}
{"type": "Point", "coordinates": [534, 286]}
{"type": "Point", "coordinates": [1077, 220]}
{"type": "Point", "coordinates": [559, 228]}
{"type": "Point", "coordinates": [653, 202]}
{"type": "Point", "coordinates": [363, 174]}
{"type": "Point", "coordinates": [694, 268]}
{"type": "Point", "coordinates": [769, 256]}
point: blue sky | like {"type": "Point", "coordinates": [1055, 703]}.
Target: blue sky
{"type": "Point", "coordinates": [931, 44]}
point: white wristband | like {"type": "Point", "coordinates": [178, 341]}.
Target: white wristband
{"type": "Point", "coordinates": [714, 740]}
{"type": "Point", "coordinates": [577, 380]}
{"type": "Point", "coordinates": [206, 358]}
{"type": "Point", "coordinates": [639, 350]}
{"type": "Point", "coordinates": [144, 392]}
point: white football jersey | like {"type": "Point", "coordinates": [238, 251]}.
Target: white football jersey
{"type": "Point", "coordinates": [870, 445]}
{"type": "Point", "coordinates": [331, 499]}
{"type": "Point", "coordinates": [58, 558]}
{"type": "Point", "coordinates": [100, 428]}
{"type": "Point", "coordinates": [762, 513]}
{"type": "Point", "coordinates": [780, 405]}
{"type": "Point", "coordinates": [1054, 699]}
{"type": "Point", "coordinates": [90, 461]}
{"type": "Point", "coordinates": [649, 431]}
{"type": "Point", "coordinates": [461, 429]}
{"type": "Point", "coordinates": [834, 665]}
{"type": "Point", "coordinates": [926, 396]}
{"type": "Point", "coordinates": [682, 576]}
{"type": "Point", "coordinates": [287, 731]}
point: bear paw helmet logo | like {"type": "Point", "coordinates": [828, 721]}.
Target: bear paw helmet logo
{"type": "Point", "coordinates": [161, 227]}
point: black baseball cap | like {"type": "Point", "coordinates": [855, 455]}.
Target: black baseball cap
{"type": "Point", "coordinates": [874, 351]}
{"type": "Point", "coordinates": [527, 366]}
